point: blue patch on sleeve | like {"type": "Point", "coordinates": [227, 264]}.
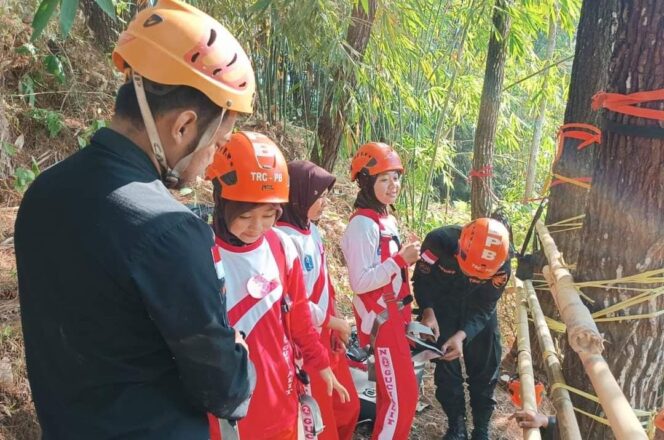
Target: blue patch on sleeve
{"type": "Point", "coordinates": [308, 263]}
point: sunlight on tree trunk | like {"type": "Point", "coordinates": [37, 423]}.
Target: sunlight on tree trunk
{"type": "Point", "coordinates": [589, 75]}
{"type": "Point", "coordinates": [622, 233]}
{"type": "Point", "coordinates": [485, 134]}
{"type": "Point", "coordinates": [331, 124]}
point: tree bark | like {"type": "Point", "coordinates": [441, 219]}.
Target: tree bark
{"type": "Point", "coordinates": [594, 37]}
{"type": "Point", "coordinates": [104, 28]}
{"type": "Point", "coordinates": [622, 233]}
{"type": "Point", "coordinates": [531, 173]}
{"type": "Point", "coordinates": [589, 75]}
{"type": "Point", "coordinates": [485, 134]}
{"type": "Point", "coordinates": [331, 123]}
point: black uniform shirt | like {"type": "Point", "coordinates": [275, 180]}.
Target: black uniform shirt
{"type": "Point", "coordinates": [439, 283]}
{"type": "Point", "coordinates": [125, 327]}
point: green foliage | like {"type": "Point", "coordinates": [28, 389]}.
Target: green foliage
{"type": "Point", "coordinates": [8, 148]}
{"type": "Point", "coordinates": [418, 86]}
{"type": "Point", "coordinates": [42, 16]}
{"type": "Point", "coordinates": [107, 6]}
{"type": "Point", "coordinates": [23, 177]}
{"type": "Point", "coordinates": [68, 10]}
{"type": "Point", "coordinates": [52, 120]}
{"type": "Point", "coordinates": [84, 138]}
{"type": "Point", "coordinates": [26, 87]}
{"type": "Point", "coordinates": [54, 66]}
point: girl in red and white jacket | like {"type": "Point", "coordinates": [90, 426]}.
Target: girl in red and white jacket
{"type": "Point", "coordinates": [265, 292]}
{"type": "Point", "coordinates": [310, 185]}
{"type": "Point", "coordinates": [378, 272]}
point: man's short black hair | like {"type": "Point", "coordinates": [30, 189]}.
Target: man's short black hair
{"type": "Point", "coordinates": [164, 98]}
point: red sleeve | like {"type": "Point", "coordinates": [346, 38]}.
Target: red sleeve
{"type": "Point", "coordinates": [304, 334]}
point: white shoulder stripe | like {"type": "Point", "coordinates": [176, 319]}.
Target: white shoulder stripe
{"type": "Point", "coordinates": [249, 320]}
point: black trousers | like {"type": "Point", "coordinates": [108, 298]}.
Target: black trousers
{"type": "Point", "coordinates": [481, 358]}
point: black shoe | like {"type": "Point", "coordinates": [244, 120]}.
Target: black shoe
{"type": "Point", "coordinates": [456, 429]}
{"type": "Point", "coordinates": [481, 421]}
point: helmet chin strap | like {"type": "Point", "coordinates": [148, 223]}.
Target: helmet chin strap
{"type": "Point", "coordinates": [170, 176]}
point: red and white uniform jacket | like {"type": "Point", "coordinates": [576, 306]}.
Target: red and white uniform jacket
{"type": "Point", "coordinates": [261, 279]}
{"type": "Point", "coordinates": [314, 269]}
{"type": "Point", "coordinates": [370, 273]}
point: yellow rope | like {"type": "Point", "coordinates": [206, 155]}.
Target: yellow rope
{"type": "Point", "coordinates": [556, 326]}
{"type": "Point", "coordinates": [567, 220]}
{"type": "Point", "coordinates": [638, 412]}
{"type": "Point", "coordinates": [565, 230]}
{"type": "Point", "coordinates": [647, 294]}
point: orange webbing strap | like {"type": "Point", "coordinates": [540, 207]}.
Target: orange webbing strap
{"type": "Point", "coordinates": [626, 104]}
{"type": "Point", "coordinates": [583, 182]}
{"type": "Point", "coordinates": [481, 173]}
{"type": "Point", "coordinates": [588, 134]}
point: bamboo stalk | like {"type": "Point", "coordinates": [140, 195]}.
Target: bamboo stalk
{"type": "Point", "coordinates": [525, 361]}
{"type": "Point", "coordinates": [581, 329]}
{"type": "Point", "coordinates": [568, 426]}
{"type": "Point", "coordinates": [585, 340]}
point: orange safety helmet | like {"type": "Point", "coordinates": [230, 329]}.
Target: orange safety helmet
{"type": "Point", "coordinates": [176, 44]}
{"type": "Point", "coordinates": [374, 158]}
{"type": "Point", "coordinates": [514, 387]}
{"type": "Point", "coordinates": [250, 168]}
{"type": "Point", "coordinates": [483, 247]}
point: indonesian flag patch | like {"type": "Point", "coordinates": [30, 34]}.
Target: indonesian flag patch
{"type": "Point", "coordinates": [429, 256]}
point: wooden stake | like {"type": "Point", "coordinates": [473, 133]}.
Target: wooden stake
{"type": "Point", "coordinates": [585, 340]}
{"type": "Point", "coordinates": [568, 426]}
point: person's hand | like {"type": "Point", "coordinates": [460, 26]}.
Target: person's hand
{"type": "Point", "coordinates": [333, 384]}
{"type": "Point", "coordinates": [528, 419]}
{"type": "Point", "coordinates": [429, 319]}
{"type": "Point", "coordinates": [239, 339]}
{"type": "Point", "coordinates": [453, 347]}
{"type": "Point", "coordinates": [410, 252]}
{"type": "Point", "coordinates": [342, 327]}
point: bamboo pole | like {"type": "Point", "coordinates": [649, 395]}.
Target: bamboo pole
{"type": "Point", "coordinates": [581, 329]}
{"type": "Point", "coordinates": [568, 426]}
{"type": "Point", "coordinates": [585, 340]}
{"type": "Point", "coordinates": [525, 361]}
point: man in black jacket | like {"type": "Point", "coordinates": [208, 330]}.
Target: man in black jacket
{"type": "Point", "coordinates": [457, 283]}
{"type": "Point", "coordinates": [122, 306]}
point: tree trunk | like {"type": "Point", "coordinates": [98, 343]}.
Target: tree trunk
{"type": "Point", "coordinates": [331, 123]}
{"type": "Point", "coordinates": [531, 173]}
{"type": "Point", "coordinates": [104, 28]}
{"type": "Point", "coordinates": [622, 233]}
{"type": "Point", "coordinates": [485, 134]}
{"type": "Point", "coordinates": [589, 75]}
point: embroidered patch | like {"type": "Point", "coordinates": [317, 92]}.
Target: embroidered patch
{"type": "Point", "coordinates": [423, 267]}
{"type": "Point", "coordinates": [308, 263]}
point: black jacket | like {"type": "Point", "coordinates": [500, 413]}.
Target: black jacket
{"type": "Point", "coordinates": [439, 283]}
{"type": "Point", "coordinates": [125, 327]}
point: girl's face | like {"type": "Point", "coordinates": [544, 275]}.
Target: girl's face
{"type": "Point", "coordinates": [316, 210]}
{"type": "Point", "coordinates": [251, 225]}
{"type": "Point", "coordinates": [387, 187]}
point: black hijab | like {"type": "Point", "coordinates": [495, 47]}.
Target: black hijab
{"type": "Point", "coordinates": [307, 182]}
